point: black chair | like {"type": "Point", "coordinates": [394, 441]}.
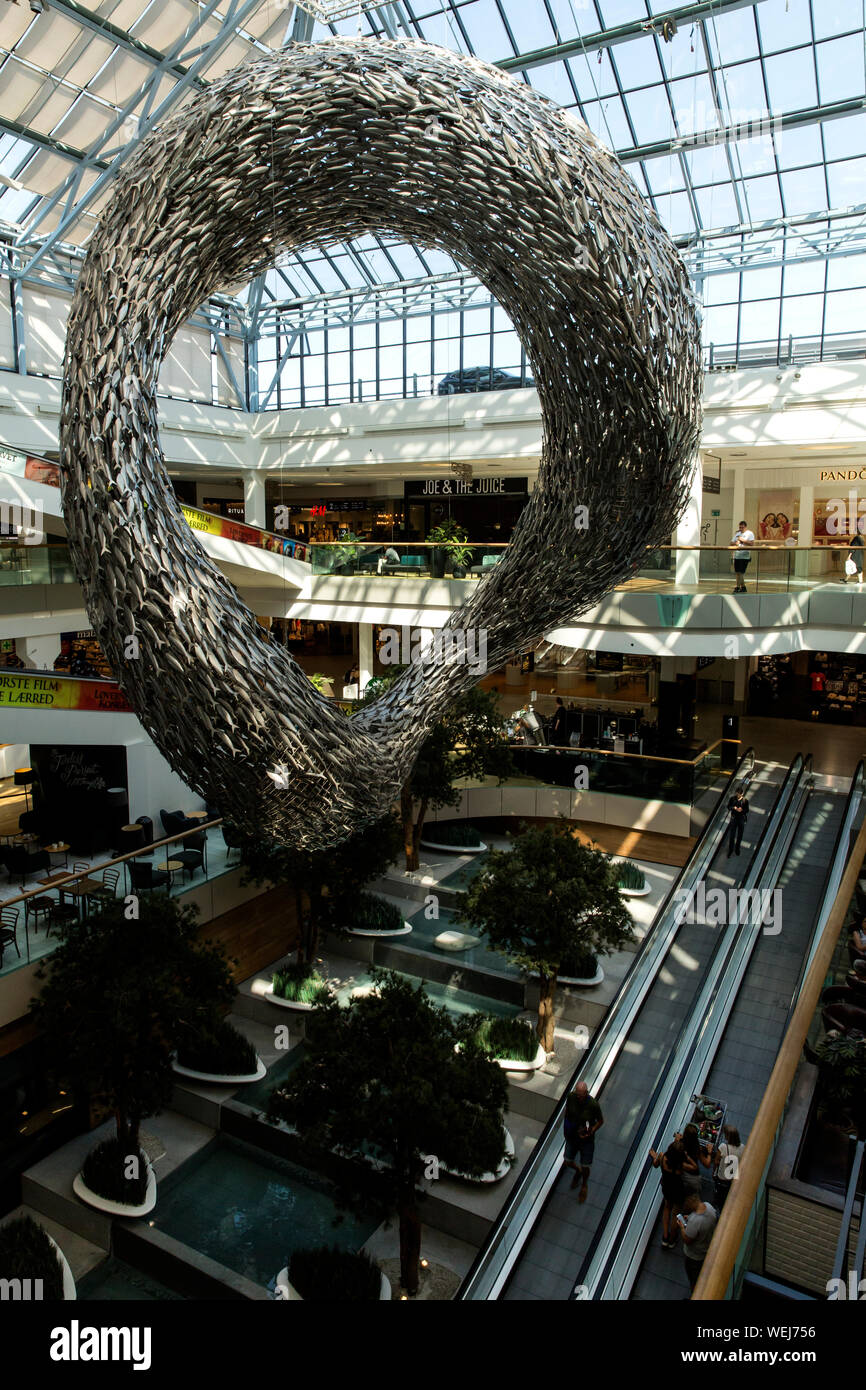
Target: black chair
{"type": "Point", "coordinates": [36, 908]}
{"type": "Point", "coordinates": [175, 822]}
{"type": "Point", "coordinates": [145, 877]}
{"type": "Point", "coordinates": [231, 837]}
{"type": "Point", "coordinates": [61, 913]}
{"type": "Point", "coordinates": [9, 931]}
{"type": "Point", "coordinates": [191, 853]}
{"type": "Point", "coordinates": [108, 892]}
{"type": "Point", "coordinates": [22, 861]}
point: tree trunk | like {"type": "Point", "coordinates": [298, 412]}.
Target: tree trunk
{"type": "Point", "coordinates": [407, 820]}
{"type": "Point", "coordinates": [410, 1241]}
{"type": "Point", "coordinates": [546, 1017]}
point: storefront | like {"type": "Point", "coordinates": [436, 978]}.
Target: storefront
{"type": "Point", "coordinates": [824, 687]}
{"type": "Point", "coordinates": [486, 507]}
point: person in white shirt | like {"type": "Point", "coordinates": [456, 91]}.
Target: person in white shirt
{"type": "Point", "coordinates": [742, 540]}
{"type": "Point", "coordinates": [728, 1156]}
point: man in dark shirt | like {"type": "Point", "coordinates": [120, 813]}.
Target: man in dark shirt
{"type": "Point", "coordinates": [559, 725]}
{"type": "Point", "coordinates": [583, 1118]}
{"type": "Point", "coordinates": [739, 809]}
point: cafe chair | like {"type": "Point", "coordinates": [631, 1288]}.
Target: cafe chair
{"type": "Point", "coordinates": [191, 853]}
{"type": "Point", "coordinates": [60, 914]}
{"type": "Point", "coordinates": [9, 931]}
{"type": "Point", "coordinates": [144, 877]}
{"type": "Point", "coordinates": [108, 891]}
{"type": "Point", "coordinates": [36, 908]}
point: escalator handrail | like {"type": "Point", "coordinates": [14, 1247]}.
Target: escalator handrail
{"type": "Point", "coordinates": [518, 1195]}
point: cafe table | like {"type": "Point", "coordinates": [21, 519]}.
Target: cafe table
{"type": "Point", "coordinates": [170, 867]}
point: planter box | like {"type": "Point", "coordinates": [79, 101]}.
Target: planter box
{"type": "Point", "coordinates": [287, 1294]}
{"type": "Point", "coordinates": [104, 1204]}
{"type": "Point", "coordinates": [391, 931]}
{"type": "Point", "coordinates": [501, 1172]}
{"type": "Point", "coordinates": [69, 1293]}
{"type": "Point", "coordinates": [636, 892]}
{"type": "Point", "coordinates": [584, 981]}
{"type": "Point", "coordinates": [480, 848]}
{"type": "Point", "coordinates": [219, 1079]}
{"type": "Point", "coordinates": [296, 1004]}
{"type": "Point", "coordinates": [509, 1063]}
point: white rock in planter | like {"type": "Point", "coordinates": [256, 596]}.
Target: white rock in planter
{"type": "Point", "coordinates": [455, 941]}
{"type": "Point", "coordinates": [287, 1293]}
{"type": "Point", "coordinates": [104, 1204]}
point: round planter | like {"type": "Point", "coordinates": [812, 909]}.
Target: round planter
{"type": "Point", "coordinates": [480, 848]}
{"type": "Point", "coordinates": [635, 892]}
{"type": "Point", "coordinates": [501, 1172]}
{"type": "Point", "coordinates": [394, 931]}
{"type": "Point", "coordinates": [297, 1005]}
{"type": "Point", "coordinates": [69, 1293]}
{"type": "Point", "coordinates": [92, 1199]}
{"type": "Point", "coordinates": [459, 571]}
{"type": "Point", "coordinates": [286, 1293]}
{"type": "Point", "coordinates": [509, 1064]}
{"type": "Point", "coordinates": [221, 1079]}
{"type": "Point", "coordinates": [584, 981]}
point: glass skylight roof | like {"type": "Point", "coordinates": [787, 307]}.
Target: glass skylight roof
{"type": "Point", "coordinates": [728, 114]}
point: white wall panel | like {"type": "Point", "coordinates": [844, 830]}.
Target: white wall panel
{"type": "Point", "coordinates": [7, 347]}
{"type": "Point", "coordinates": [45, 314]}
{"type": "Point", "coordinates": [186, 370]}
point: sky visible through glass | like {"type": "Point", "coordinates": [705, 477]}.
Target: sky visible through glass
{"type": "Point", "coordinates": [779, 83]}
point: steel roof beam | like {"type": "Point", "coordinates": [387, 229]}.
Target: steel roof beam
{"type": "Point", "coordinates": [745, 130]}
{"type": "Point", "coordinates": [106, 30]}
{"type": "Point", "coordinates": [622, 33]}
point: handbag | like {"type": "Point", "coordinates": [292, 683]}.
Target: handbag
{"type": "Point", "coordinates": [850, 567]}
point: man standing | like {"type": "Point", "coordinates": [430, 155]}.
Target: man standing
{"type": "Point", "coordinates": [697, 1223]}
{"type": "Point", "coordinates": [583, 1118]}
{"type": "Point", "coordinates": [559, 725]}
{"type": "Point", "coordinates": [739, 809]}
{"type": "Point", "coordinates": [742, 541]}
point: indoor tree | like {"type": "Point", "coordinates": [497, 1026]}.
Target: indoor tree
{"type": "Point", "coordinates": [544, 901]}
{"type": "Point", "coordinates": [397, 1077]}
{"type": "Point", "coordinates": [326, 883]}
{"type": "Point", "coordinates": [469, 742]}
{"type": "Point", "coordinates": [119, 996]}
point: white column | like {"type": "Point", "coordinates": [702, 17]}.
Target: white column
{"type": "Point", "coordinates": [803, 566]}
{"type": "Point", "coordinates": [365, 655]}
{"type": "Point", "coordinates": [688, 531]}
{"type": "Point", "coordinates": [254, 498]}
{"type": "Point", "coordinates": [39, 653]}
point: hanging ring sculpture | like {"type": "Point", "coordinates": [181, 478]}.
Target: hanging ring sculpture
{"type": "Point", "coordinates": [332, 141]}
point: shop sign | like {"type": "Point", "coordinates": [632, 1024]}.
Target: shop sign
{"type": "Point", "coordinates": [419, 489]}
{"type": "Point", "coordinates": [21, 691]}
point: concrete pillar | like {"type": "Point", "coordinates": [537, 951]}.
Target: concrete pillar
{"type": "Point", "coordinates": [803, 566]}
{"type": "Point", "coordinates": [39, 653]}
{"type": "Point", "coordinates": [739, 503]}
{"type": "Point", "coordinates": [688, 531]}
{"type": "Point", "coordinates": [254, 498]}
{"type": "Point", "coordinates": [365, 655]}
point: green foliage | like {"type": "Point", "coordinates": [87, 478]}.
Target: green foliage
{"type": "Point", "coordinates": [382, 1075]}
{"type": "Point", "coordinates": [547, 900]}
{"type": "Point", "coordinates": [27, 1253]}
{"type": "Point", "coordinates": [456, 833]}
{"type": "Point", "coordinates": [319, 680]}
{"type": "Point", "coordinates": [842, 1061]}
{"type": "Point", "coordinates": [581, 965]}
{"type": "Point", "coordinates": [507, 1038]}
{"type": "Point", "coordinates": [300, 983]}
{"type": "Point", "coordinates": [628, 875]}
{"type": "Point", "coordinates": [118, 998]}
{"type": "Point", "coordinates": [335, 1276]}
{"type": "Point", "coordinates": [327, 883]}
{"type": "Point", "coordinates": [105, 1172]}
{"type": "Point", "coordinates": [452, 537]}
{"type": "Point", "coordinates": [374, 914]}
{"type": "Point", "coordinates": [221, 1049]}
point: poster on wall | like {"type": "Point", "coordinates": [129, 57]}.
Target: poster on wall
{"type": "Point", "coordinates": [777, 515]}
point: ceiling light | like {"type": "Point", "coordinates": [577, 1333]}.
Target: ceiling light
{"type": "Point", "coordinates": [37, 6]}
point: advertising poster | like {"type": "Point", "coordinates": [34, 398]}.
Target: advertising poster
{"type": "Point", "coordinates": [20, 690]}
{"type": "Point", "coordinates": [777, 519]}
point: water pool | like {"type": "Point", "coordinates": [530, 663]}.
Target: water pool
{"type": "Point", "coordinates": [114, 1281]}
{"type": "Point", "coordinates": [250, 1210]}
{"type": "Point", "coordinates": [424, 933]}
{"type": "Point", "coordinates": [456, 1000]}
{"type": "Point", "coordinates": [257, 1094]}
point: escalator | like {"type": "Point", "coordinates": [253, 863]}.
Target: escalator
{"type": "Point", "coordinates": [544, 1244]}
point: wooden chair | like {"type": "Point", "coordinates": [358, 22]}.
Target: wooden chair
{"type": "Point", "coordinates": [108, 892]}
{"type": "Point", "coordinates": [9, 930]}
